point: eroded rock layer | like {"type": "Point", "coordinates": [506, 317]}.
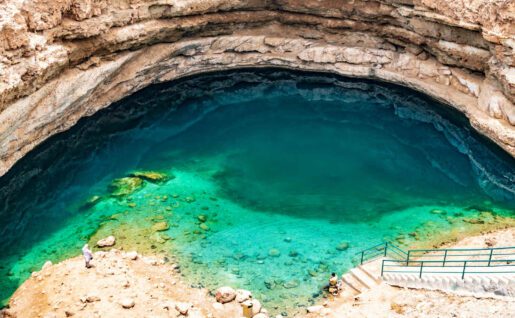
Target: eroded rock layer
{"type": "Point", "coordinates": [63, 60]}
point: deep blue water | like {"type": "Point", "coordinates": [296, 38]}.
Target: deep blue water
{"type": "Point", "coordinates": [275, 160]}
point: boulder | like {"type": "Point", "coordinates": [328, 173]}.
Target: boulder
{"type": "Point", "coordinates": [256, 307]}
{"type": "Point", "coordinates": [107, 242]}
{"type": "Point", "coordinates": [225, 294]}
{"type": "Point", "coordinates": [243, 295]}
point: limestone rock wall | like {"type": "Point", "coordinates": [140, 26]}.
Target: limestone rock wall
{"type": "Point", "coordinates": [65, 59]}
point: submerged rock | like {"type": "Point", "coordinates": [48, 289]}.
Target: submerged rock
{"type": "Point", "coordinates": [124, 186]}
{"type": "Point", "coordinates": [202, 218]}
{"type": "Point", "coordinates": [342, 246]}
{"type": "Point", "coordinates": [91, 202]}
{"type": "Point", "coordinates": [151, 176]}
{"type": "Point", "coordinates": [291, 284]}
{"type": "Point", "coordinates": [436, 211]}
{"type": "Point", "coordinates": [160, 226]}
{"type": "Point", "coordinates": [189, 199]}
{"type": "Point", "coordinates": [474, 220]}
{"type": "Point", "coordinates": [204, 227]}
{"type": "Point", "coordinates": [274, 252]}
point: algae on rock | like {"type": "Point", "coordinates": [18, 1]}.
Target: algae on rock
{"type": "Point", "coordinates": [125, 186]}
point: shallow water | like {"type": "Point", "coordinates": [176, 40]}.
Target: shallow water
{"type": "Point", "coordinates": [271, 172]}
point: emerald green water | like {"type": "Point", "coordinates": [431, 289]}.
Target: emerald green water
{"type": "Point", "coordinates": [270, 172]}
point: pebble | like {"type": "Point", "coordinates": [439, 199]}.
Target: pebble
{"type": "Point", "coordinates": [315, 309]}
{"type": "Point", "coordinates": [127, 303]}
{"type": "Point", "coordinates": [189, 199]}
{"type": "Point", "coordinates": [46, 265]}
{"type": "Point", "coordinates": [183, 308]}
{"type": "Point", "coordinates": [293, 254]}
{"type": "Point", "coordinates": [274, 252]}
{"type": "Point", "coordinates": [132, 255]}
{"type": "Point", "coordinates": [92, 298]}
{"type": "Point", "coordinates": [107, 242]}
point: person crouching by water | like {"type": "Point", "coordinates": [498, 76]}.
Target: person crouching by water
{"type": "Point", "coordinates": [333, 284]}
{"type": "Point", "coordinates": [88, 256]}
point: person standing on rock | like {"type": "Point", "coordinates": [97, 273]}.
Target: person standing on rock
{"type": "Point", "coordinates": [88, 256]}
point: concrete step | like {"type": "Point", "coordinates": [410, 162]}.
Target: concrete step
{"type": "Point", "coordinates": [375, 279]}
{"type": "Point", "coordinates": [362, 278]}
{"type": "Point", "coordinates": [349, 281]}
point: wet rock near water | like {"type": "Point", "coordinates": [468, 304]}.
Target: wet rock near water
{"type": "Point", "coordinates": [225, 294]}
{"type": "Point", "coordinates": [107, 242]}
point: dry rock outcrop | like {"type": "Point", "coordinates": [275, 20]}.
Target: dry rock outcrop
{"type": "Point", "coordinates": [66, 59]}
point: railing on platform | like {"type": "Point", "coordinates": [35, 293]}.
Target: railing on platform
{"type": "Point", "coordinates": [498, 260]}
{"type": "Point", "coordinates": [381, 250]}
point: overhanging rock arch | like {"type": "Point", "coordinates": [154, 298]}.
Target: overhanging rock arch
{"type": "Point", "coordinates": [70, 61]}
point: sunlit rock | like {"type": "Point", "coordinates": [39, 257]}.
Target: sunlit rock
{"type": "Point", "coordinates": [151, 176]}
{"type": "Point", "coordinates": [125, 186]}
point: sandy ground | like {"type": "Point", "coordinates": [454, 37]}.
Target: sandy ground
{"type": "Point", "coordinates": [69, 289]}
{"type": "Point", "coordinates": [150, 287]}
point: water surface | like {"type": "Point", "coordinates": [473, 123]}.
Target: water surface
{"type": "Point", "coordinates": [272, 174]}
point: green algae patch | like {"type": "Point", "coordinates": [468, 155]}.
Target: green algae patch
{"type": "Point", "coordinates": [125, 186]}
{"type": "Point", "coordinates": [152, 176]}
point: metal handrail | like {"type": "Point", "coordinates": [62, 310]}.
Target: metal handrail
{"type": "Point", "coordinates": [491, 258]}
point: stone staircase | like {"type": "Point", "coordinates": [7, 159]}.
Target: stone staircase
{"type": "Point", "coordinates": [361, 278]}
{"type": "Point", "coordinates": [481, 272]}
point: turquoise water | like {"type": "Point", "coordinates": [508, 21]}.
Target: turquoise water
{"type": "Point", "coordinates": [271, 175]}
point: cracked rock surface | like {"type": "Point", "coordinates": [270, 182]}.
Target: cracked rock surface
{"type": "Point", "coordinates": [66, 59]}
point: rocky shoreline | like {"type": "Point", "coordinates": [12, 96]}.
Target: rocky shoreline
{"type": "Point", "coordinates": [131, 285]}
{"type": "Point", "coordinates": [65, 60]}
{"type": "Point", "coordinates": [122, 284]}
